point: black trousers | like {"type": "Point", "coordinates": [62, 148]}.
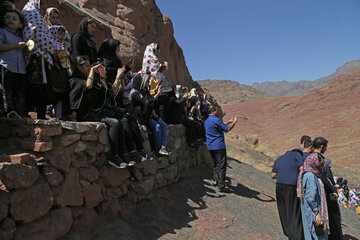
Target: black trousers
{"type": "Point", "coordinates": [36, 96]}
{"type": "Point", "coordinates": [289, 211]}
{"type": "Point", "coordinates": [220, 162]}
{"type": "Point", "coordinates": [14, 84]}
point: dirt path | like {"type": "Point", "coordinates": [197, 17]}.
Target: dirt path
{"type": "Point", "coordinates": [192, 209]}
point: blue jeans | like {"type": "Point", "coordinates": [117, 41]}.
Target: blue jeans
{"type": "Point", "coordinates": [159, 130]}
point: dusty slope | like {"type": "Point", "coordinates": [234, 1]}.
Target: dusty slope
{"type": "Point", "coordinates": [192, 209]}
{"type": "Point", "coordinates": [230, 92]}
{"type": "Point", "coordinates": [332, 111]}
{"type": "Point", "coordinates": [300, 88]}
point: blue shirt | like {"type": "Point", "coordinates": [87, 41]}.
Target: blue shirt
{"type": "Point", "coordinates": [287, 166]}
{"type": "Point", "coordinates": [14, 58]}
{"type": "Point", "coordinates": [215, 128]}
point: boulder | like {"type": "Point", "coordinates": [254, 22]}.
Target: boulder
{"type": "Point", "coordinates": [4, 204]}
{"type": "Point", "coordinates": [90, 174]}
{"type": "Point", "coordinates": [37, 146]}
{"type": "Point", "coordinates": [60, 161]}
{"type": "Point", "coordinates": [69, 139]}
{"type": "Point", "coordinates": [83, 218]}
{"type": "Point", "coordinates": [114, 177]}
{"type": "Point", "coordinates": [46, 131]}
{"type": "Point", "coordinates": [17, 175]}
{"type": "Point", "coordinates": [7, 229]}
{"type": "Point", "coordinates": [30, 204]}
{"type": "Point", "coordinates": [93, 195]}
{"type": "Point", "coordinates": [52, 226]}
{"type": "Point", "coordinates": [69, 193]}
{"type": "Point", "coordinates": [53, 176]}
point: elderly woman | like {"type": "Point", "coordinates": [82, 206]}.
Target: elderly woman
{"type": "Point", "coordinates": [313, 199]}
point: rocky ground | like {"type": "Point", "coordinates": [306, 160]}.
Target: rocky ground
{"type": "Point", "coordinates": [193, 209]}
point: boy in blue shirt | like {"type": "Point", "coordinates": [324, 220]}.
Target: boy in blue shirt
{"type": "Point", "coordinates": [215, 141]}
{"type": "Point", "coordinates": [11, 51]}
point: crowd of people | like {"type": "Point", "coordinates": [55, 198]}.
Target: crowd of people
{"type": "Point", "coordinates": [306, 192]}
{"type": "Point", "coordinates": [47, 71]}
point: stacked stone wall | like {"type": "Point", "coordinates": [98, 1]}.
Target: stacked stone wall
{"type": "Point", "coordinates": [54, 176]}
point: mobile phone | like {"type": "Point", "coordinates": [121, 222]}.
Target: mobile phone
{"type": "Point", "coordinates": [101, 69]}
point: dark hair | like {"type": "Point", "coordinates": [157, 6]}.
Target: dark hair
{"type": "Point", "coordinates": [61, 29]}
{"type": "Point", "coordinates": [212, 108]}
{"type": "Point", "coordinates": [21, 18]}
{"type": "Point", "coordinates": [319, 141]}
{"type": "Point", "coordinates": [304, 138]}
{"type": "Point", "coordinates": [79, 60]}
{"type": "Point", "coordinates": [308, 143]}
{"type": "Point", "coordinates": [54, 10]}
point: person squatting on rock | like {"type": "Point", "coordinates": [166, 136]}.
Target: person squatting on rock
{"type": "Point", "coordinates": [215, 141]}
{"type": "Point", "coordinates": [312, 194]}
{"type": "Point", "coordinates": [94, 99]}
{"type": "Point", "coordinates": [285, 171]}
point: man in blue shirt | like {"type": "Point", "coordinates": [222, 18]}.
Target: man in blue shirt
{"type": "Point", "coordinates": [215, 141]}
{"type": "Point", "coordinates": [286, 170]}
{"type": "Point", "coordinates": [302, 142]}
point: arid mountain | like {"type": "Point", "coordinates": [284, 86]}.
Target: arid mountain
{"type": "Point", "coordinates": [331, 111]}
{"type": "Point", "coordinates": [135, 23]}
{"type": "Point", "coordinates": [299, 88]}
{"type": "Point", "coordinates": [230, 92]}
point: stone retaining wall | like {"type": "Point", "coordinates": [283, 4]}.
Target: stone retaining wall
{"type": "Point", "coordinates": [54, 176]}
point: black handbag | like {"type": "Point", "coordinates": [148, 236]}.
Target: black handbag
{"type": "Point", "coordinates": [58, 77]}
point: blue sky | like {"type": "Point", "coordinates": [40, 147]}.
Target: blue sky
{"type": "Point", "coordinates": [265, 40]}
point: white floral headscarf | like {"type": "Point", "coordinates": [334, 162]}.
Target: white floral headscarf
{"type": "Point", "coordinates": [36, 29]}
{"type": "Point", "coordinates": [151, 62]}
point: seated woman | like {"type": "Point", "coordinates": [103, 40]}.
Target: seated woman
{"type": "Point", "coordinates": [93, 98]}
{"type": "Point", "coordinates": [175, 114]}
{"type": "Point", "coordinates": [144, 112]}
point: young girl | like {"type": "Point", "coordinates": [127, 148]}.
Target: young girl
{"type": "Point", "coordinates": [60, 73]}
{"type": "Point", "coordinates": [11, 52]}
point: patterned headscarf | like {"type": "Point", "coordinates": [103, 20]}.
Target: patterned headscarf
{"type": "Point", "coordinates": [53, 31]}
{"type": "Point", "coordinates": [312, 164]}
{"type": "Point", "coordinates": [151, 62]}
{"type": "Point", "coordinates": [36, 29]}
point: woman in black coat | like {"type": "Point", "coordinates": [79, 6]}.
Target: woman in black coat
{"type": "Point", "coordinates": [82, 44]}
{"type": "Point", "coordinates": [94, 100]}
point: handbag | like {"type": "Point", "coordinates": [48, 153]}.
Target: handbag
{"type": "Point", "coordinates": [58, 77]}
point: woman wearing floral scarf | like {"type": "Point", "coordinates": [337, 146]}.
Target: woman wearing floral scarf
{"type": "Point", "coordinates": [313, 200]}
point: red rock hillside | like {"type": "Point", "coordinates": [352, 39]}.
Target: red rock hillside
{"type": "Point", "coordinates": [332, 111]}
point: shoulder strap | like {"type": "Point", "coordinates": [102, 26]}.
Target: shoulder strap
{"type": "Point", "coordinates": [298, 150]}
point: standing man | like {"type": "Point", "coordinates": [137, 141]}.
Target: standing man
{"type": "Point", "coordinates": [215, 141]}
{"type": "Point", "coordinates": [302, 142]}
{"type": "Point", "coordinates": [308, 148]}
{"type": "Point", "coordinates": [285, 171]}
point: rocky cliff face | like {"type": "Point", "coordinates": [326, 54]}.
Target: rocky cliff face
{"type": "Point", "coordinates": [299, 88]}
{"type": "Point", "coordinates": [134, 23]}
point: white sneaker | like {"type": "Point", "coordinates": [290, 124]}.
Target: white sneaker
{"type": "Point", "coordinates": [163, 151]}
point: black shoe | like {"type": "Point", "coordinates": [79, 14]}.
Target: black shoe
{"type": "Point", "coordinates": [117, 162]}
{"type": "Point", "coordinates": [222, 189]}
{"type": "Point", "coordinates": [135, 156]}
{"type": "Point", "coordinates": [128, 160]}
{"type": "Point", "coordinates": [145, 155]}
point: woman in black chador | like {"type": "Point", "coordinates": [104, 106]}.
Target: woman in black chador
{"type": "Point", "coordinates": [93, 99]}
